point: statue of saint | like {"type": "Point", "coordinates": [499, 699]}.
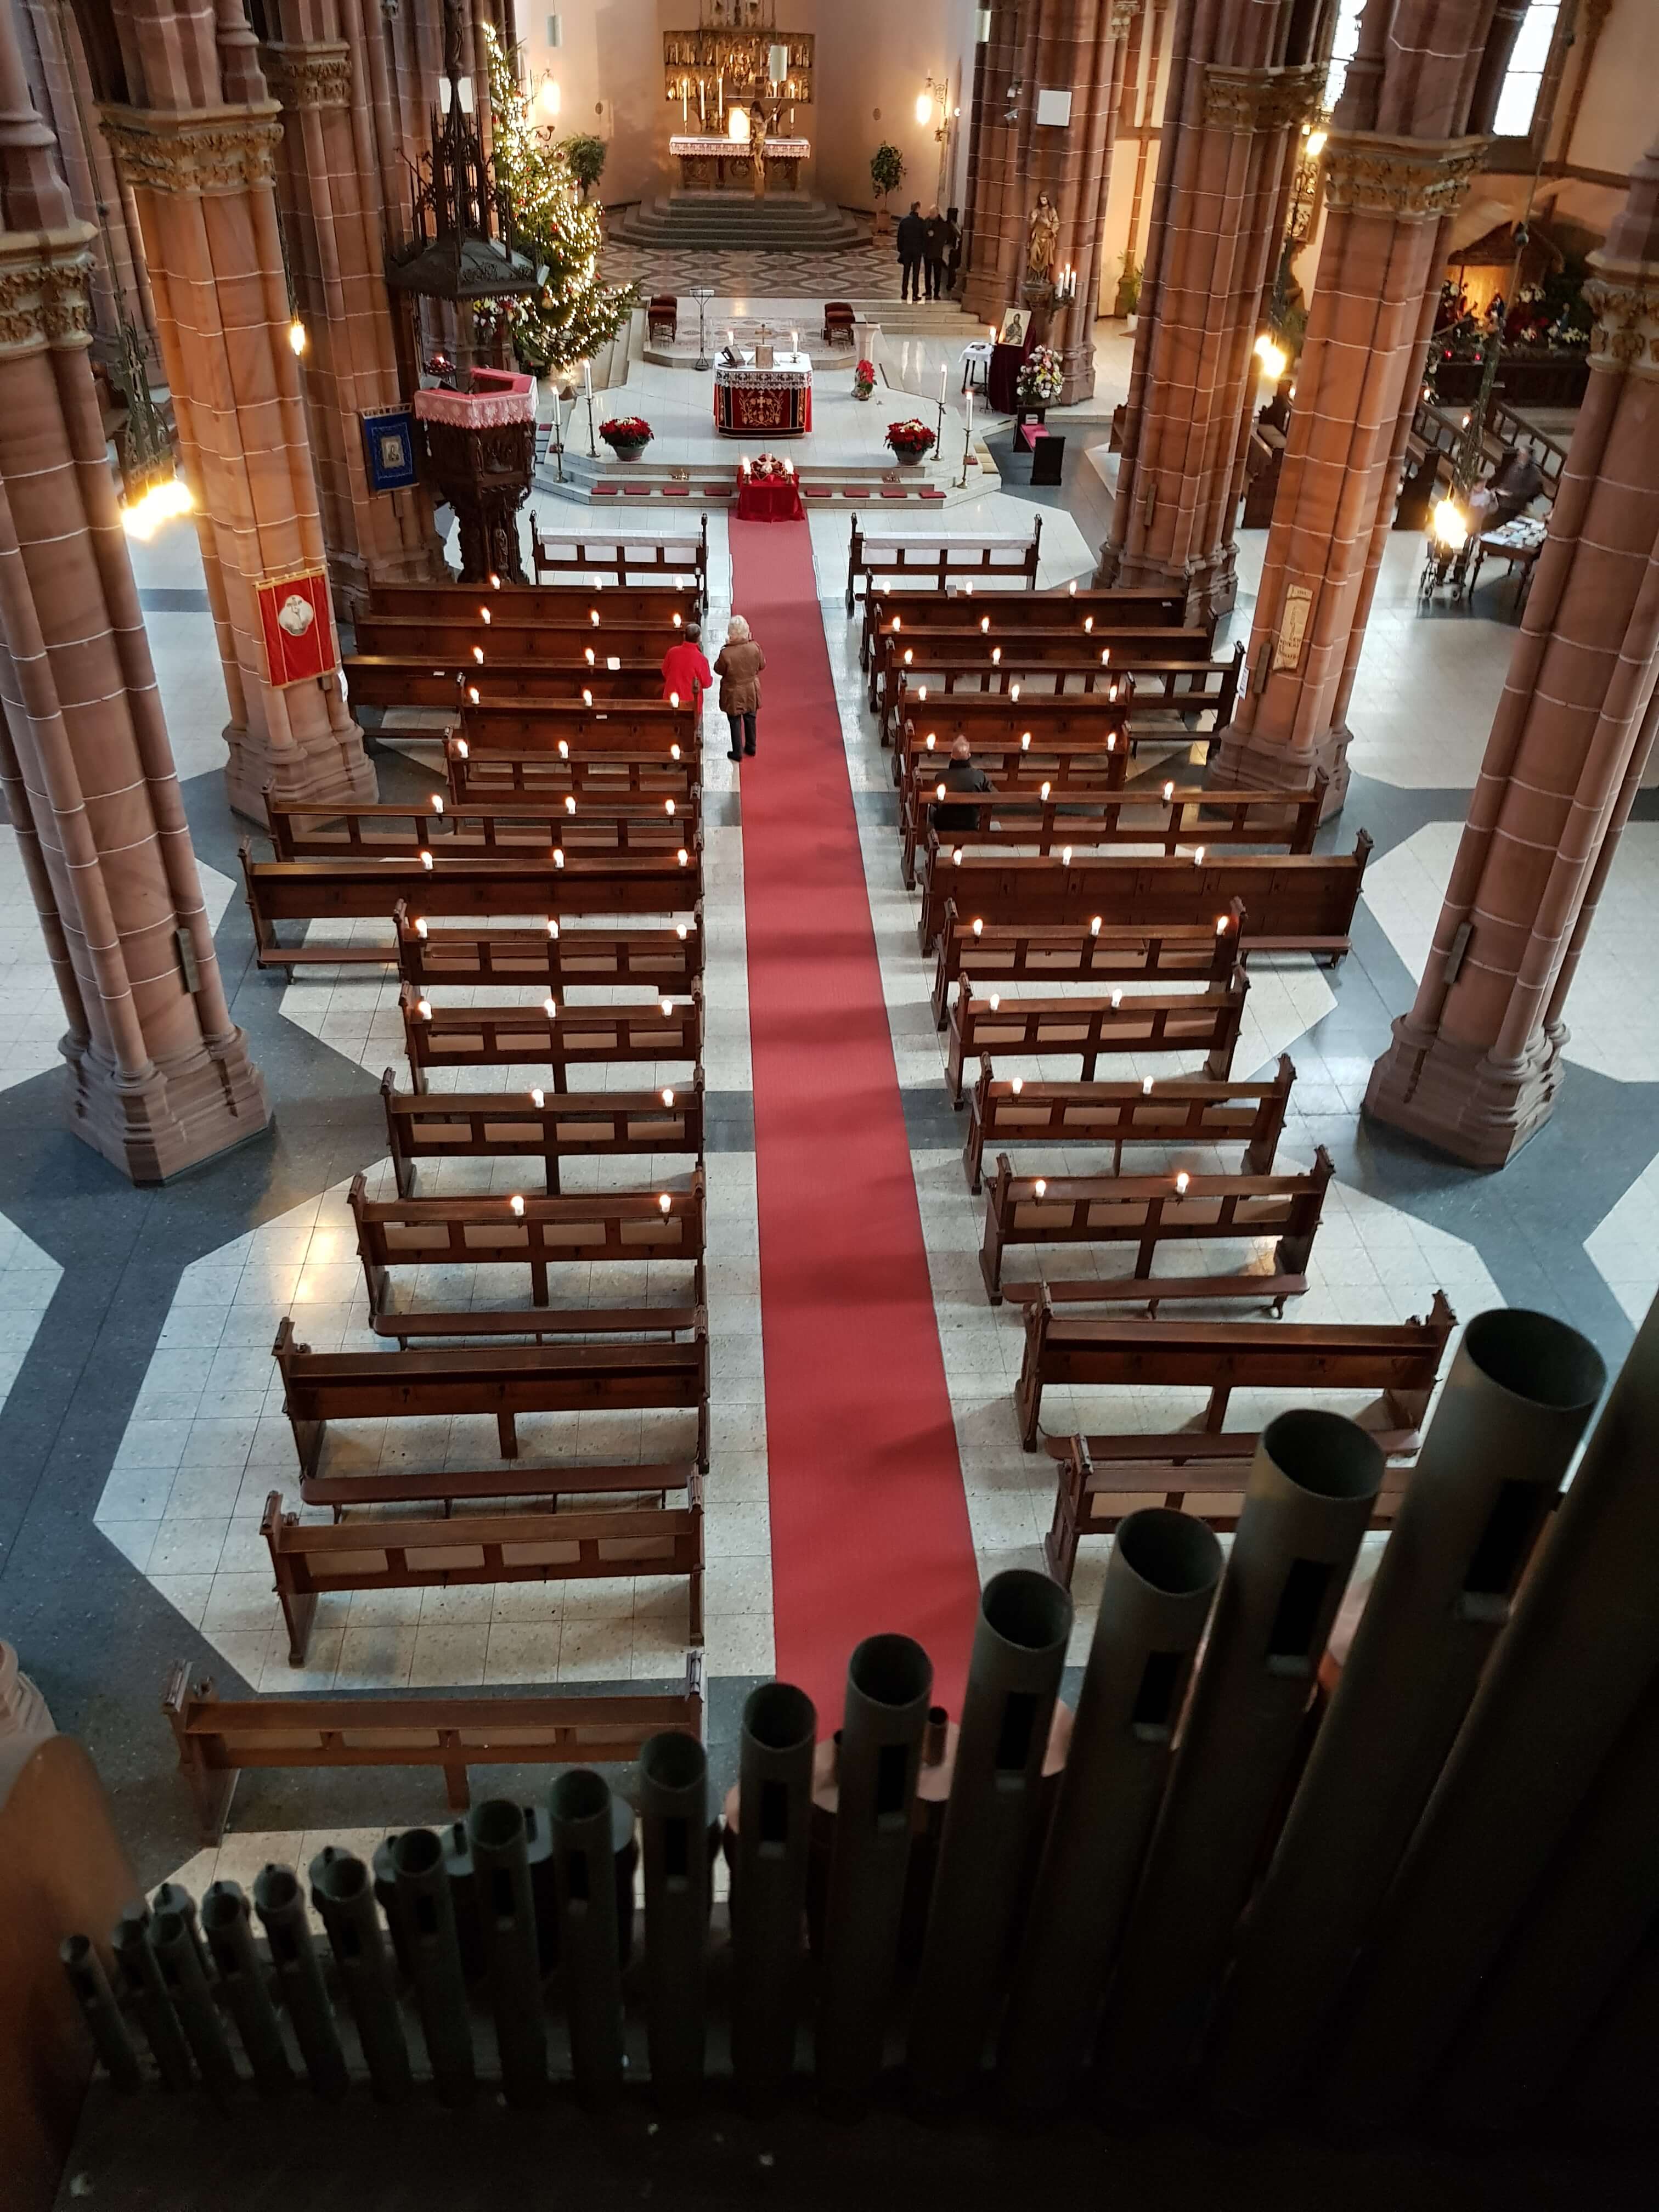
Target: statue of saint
{"type": "Point", "coordinates": [757, 121]}
{"type": "Point", "coordinates": [1043, 243]}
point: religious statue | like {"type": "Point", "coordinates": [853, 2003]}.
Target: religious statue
{"type": "Point", "coordinates": [758, 123]}
{"type": "Point", "coordinates": [1043, 243]}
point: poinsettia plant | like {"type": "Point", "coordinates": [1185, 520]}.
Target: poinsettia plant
{"type": "Point", "coordinates": [910, 440]}
{"type": "Point", "coordinates": [1041, 375]}
{"type": "Point", "coordinates": [626, 430]}
{"type": "Point", "coordinates": [863, 379]}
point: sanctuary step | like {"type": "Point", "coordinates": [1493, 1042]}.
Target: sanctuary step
{"type": "Point", "coordinates": [832, 486]}
{"type": "Point", "coordinates": [714, 222]}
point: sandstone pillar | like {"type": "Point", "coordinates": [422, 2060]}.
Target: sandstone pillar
{"type": "Point", "coordinates": [161, 1075]}
{"type": "Point", "coordinates": [1474, 1067]}
{"type": "Point", "coordinates": [1405, 142]}
{"type": "Point", "coordinates": [198, 147]}
{"type": "Point", "coordinates": [330, 188]}
{"type": "Point", "coordinates": [1227, 161]}
{"type": "Point", "coordinates": [1064, 45]}
{"type": "Point", "coordinates": [56, 64]}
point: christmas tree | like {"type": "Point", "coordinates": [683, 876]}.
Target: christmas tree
{"type": "Point", "coordinates": [573, 314]}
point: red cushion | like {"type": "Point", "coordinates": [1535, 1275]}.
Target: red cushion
{"type": "Point", "coordinates": [636, 491]}
{"type": "Point", "coordinates": [677, 491]}
{"type": "Point", "coordinates": [605, 491]}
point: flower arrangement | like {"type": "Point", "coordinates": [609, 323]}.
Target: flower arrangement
{"type": "Point", "coordinates": [766, 468]}
{"type": "Point", "coordinates": [626, 433]}
{"type": "Point", "coordinates": [863, 379]}
{"type": "Point", "coordinates": [1041, 376]}
{"type": "Point", "coordinates": [910, 440]}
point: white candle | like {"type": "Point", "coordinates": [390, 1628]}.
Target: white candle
{"type": "Point", "coordinates": [685, 105]}
{"type": "Point", "coordinates": [703, 109]}
{"type": "Point", "coordinates": [941, 384]}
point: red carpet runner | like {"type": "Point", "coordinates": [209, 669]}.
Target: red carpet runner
{"type": "Point", "coordinates": [869, 1522]}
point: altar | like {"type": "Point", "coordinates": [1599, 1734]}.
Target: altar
{"type": "Point", "coordinates": [776, 399]}
{"type": "Point", "coordinates": [708, 164]}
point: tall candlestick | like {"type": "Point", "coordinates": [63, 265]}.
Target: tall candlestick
{"type": "Point", "coordinates": [587, 386]}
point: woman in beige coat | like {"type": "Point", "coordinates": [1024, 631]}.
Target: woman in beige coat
{"type": "Point", "coordinates": [738, 667]}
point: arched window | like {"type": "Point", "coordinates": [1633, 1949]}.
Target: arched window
{"type": "Point", "coordinates": [1344, 47]}
{"type": "Point", "coordinates": [1530, 59]}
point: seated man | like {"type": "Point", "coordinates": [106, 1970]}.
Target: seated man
{"type": "Point", "coordinates": [961, 773]}
{"type": "Point", "coordinates": [1509, 490]}
{"type": "Point", "coordinates": [685, 667]}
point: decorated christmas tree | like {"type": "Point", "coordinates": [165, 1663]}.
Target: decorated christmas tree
{"type": "Point", "coordinates": [573, 314]}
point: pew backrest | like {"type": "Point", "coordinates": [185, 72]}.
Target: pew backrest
{"type": "Point", "coordinates": [944, 559]}
{"type": "Point", "coordinates": [560, 554]}
{"type": "Point", "coordinates": [511, 1125]}
{"type": "Point", "coordinates": [217, 1737]}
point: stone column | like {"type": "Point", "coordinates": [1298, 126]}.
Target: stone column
{"type": "Point", "coordinates": [161, 1075]}
{"type": "Point", "coordinates": [329, 187]}
{"type": "Point", "coordinates": [198, 147]}
{"type": "Point", "coordinates": [1475, 1065]}
{"type": "Point", "coordinates": [1226, 164]}
{"type": "Point", "coordinates": [1388, 204]}
{"type": "Point", "coordinates": [1073, 46]}
{"type": "Point", "coordinates": [56, 66]}
{"type": "Point", "coordinates": [1405, 142]}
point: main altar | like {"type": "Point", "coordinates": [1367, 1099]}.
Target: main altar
{"type": "Point", "coordinates": [773, 395]}
{"type": "Point", "coordinates": [716, 165]}
{"type": "Point", "coordinates": [737, 81]}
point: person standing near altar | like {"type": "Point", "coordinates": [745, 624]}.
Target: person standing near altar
{"type": "Point", "coordinates": [912, 251]}
{"type": "Point", "coordinates": [935, 246]}
{"type": "Point", "coordinates": [685, 667]}
{"type": "Point", "coordinates": [739, 666]}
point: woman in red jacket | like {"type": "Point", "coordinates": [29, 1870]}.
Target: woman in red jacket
{"type": "Point", "coordinates": [684, 669]}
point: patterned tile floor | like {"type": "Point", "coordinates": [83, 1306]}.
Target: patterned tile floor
{"type": "Point", "coordinates": [141, 1429]}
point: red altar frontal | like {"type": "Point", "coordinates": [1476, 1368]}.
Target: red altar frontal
{"type": "Point", "coordinates": [776, 401]}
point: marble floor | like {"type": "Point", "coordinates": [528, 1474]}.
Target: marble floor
{"type": "Point", "coordinates": [142, 1426]}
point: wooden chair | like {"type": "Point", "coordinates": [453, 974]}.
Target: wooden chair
{"type": "Point", "coordinates": [838, 321]}
{"type": "Point", "coordinates": [662, 318]}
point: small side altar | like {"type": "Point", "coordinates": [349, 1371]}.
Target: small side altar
{"type": "Point", "coordinates": [725, 165]}
{"type": "Point", "coordinates": [776, 399]}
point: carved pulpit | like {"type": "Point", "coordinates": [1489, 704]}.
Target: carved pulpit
{"type": "Point", "coordinates": [480, 456]}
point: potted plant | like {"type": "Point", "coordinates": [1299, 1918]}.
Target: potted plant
{"type": "Point", "coordinates": [911, 441]}
{"type": "Point", "coordinates": [886, 171]}
{"type": "Point", "coordinates": [1127, 301]}
{"type": "Point", "coordinates": [863, 379]}
{"type": "Point", "coordinates": [586, 155]}
{"type": "Point", "coordinates": [627, 435]}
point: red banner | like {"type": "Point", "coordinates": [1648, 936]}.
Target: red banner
{"type": "Point", "coordinates": [298, 628]}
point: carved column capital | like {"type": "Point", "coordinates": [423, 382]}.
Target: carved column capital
{"type": "Point", "coordinates": [1624, 297]}
{"type": "Point", "coordinates": [43, 289]}
{"type": "Point", "coordinates": [1123, 14]}
{"type": "Point", "coordinates": [204, 149]}
{"type": "Point", "coordinates": [1261, 99]}
{"type": "Point", "coordinates": [316, 75]}
{"type": "Point", "coordinates": [1412, 179]}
